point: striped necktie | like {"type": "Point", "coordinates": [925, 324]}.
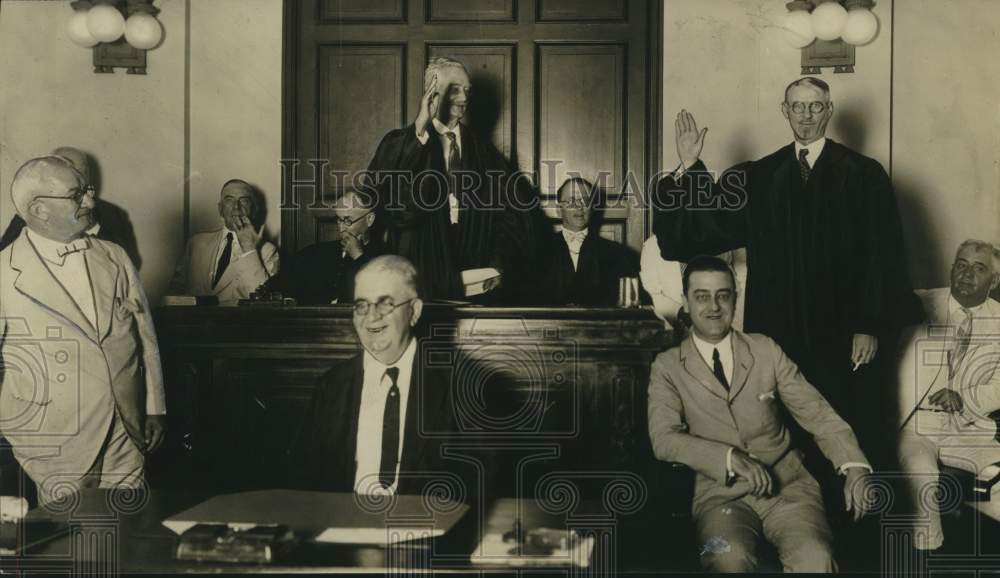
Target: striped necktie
{"type": "Point", "coordinates": [804, 168]}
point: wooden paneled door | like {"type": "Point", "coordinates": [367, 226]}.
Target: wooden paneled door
{"type": "Point", "coordinates": [560, 86]}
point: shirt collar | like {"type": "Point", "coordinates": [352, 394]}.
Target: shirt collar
{"type": "Point", "coordinates": [955, 308]}
{"type": "Point", "coordinates": [93, 231]}
{"type": "Point", "coordinates": [705, 348]}
{"type": "Point", "coordinates": [404, 363]}
{"type": "Point", "coordinates": [442, 129]}
{"type": "Point", "coordinates": [236, 240]}
{"type": "Point", "coordinates": [47, 248]}
{"type": "Point", "coordinates": [566, 233]}
{"type": "Point", "coordinates": [815, 149]}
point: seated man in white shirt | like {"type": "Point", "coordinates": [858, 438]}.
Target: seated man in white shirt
{"type": "Point", "coordinates": [949, 380]}
{"type": "Point", "coordinates": [377, 421]}
{"type": "Point", "coordinates": [714, 406]}
{"type": "Point", "coordinates": [230, 262]}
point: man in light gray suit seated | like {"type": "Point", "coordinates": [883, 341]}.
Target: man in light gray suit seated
{"type": "Point", "coordinates": [230, 262]}
{"type": "Point", "coordinates": [714, 406]}
{"type": "Point", "coordinates": [81, 398]}
{"type": "Point", "coordinates": [949, 383]}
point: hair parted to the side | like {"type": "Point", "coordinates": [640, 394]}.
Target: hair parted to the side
{"type": "Point", "coordinates": [436, 64]}
{"type": "Point", "coordinates": [809, 81]}
{"type": "Point", "coordinates": [397, 265]}
{"type": "Point", "coordinates": [706, 263]}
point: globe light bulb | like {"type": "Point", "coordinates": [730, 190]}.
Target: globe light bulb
{"type": "Point", "coordinates": [861, 27]}
{"type": "Point", "coordinates": [797, 28]}
{"type": "Point", "coordinates": [143, 31]}
{"type": "Point", "coordinates": [76, 29]}
{"type": "Point", "coordinates": [828, 20]}
{"type": "Point", "coordinates": [105, 23]}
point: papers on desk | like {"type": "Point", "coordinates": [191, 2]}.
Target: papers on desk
{"type": "Point", "coordinates": [475, 280]}
{"type": "Point", "coordinates": [560, 548]}
{"type": "Point", "coordinates": [325, 516]}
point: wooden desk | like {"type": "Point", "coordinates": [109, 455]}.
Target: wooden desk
{"type": "Point", "coordinates": [112, 535]}
{"type": "Point", "coordinates": [549, 390]}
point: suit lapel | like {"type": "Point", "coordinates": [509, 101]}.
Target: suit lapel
{"type": "Point", "coordinates": [743, 362]}
{"type": "Point", "coordinates": [228, 276]}
{"type": "Point", "coordinates": [696, 366]}
{"type": "Point", "coordinates": [36, 282]}
{"type": "Point", "coordinates": [424, 401]}
{"type": "Point", "coordinates": [103, 280]}
{"type": "Point", "coordinates": [352, 401]}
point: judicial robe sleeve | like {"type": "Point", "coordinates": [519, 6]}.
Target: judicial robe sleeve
{"type": "Point", "coordinates": [696, 215]}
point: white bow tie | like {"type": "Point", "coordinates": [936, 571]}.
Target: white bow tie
{"type": "Point", "coordinates": [575, 237]}
{"type": "Point", "coordinates": [81, 244]}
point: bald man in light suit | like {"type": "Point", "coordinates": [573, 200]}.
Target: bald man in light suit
{"type": "Point", "coordinates": [82, 395]}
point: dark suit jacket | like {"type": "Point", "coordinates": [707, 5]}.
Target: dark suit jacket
{"type": "Point", "coordinates": [595, 280]}
{"type": "Point", "coordinates": [323, 456]}
{"type": "Point", "coordinates": [320, 273]}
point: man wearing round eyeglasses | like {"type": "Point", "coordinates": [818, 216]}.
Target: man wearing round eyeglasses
{"type": "Point", "coordinates": [583, 268]}
{"type": "Point", "coordinates": [230, 262]}
{"type": "Point", "coordinates": [827, 272]}
{"type": "Point", "coordinates": [373, 419]}
{"type": "Point", "coordinates": [82, 395]}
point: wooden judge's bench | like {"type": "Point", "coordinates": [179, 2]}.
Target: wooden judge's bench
{"type": "Point", "coordinates": [553, 393]}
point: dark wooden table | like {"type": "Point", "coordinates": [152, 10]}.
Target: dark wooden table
{"type": "Point", "coordinates": [111, 534]}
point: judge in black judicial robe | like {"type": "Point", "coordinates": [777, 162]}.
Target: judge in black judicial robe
{"type": "Point", "coordinates": [579, 266]}
{"type": "Point", "coordinates": [451, 201]}
{"type": "Point", "coordinates": [827, 276]}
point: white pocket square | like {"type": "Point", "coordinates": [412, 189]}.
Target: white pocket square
{"type": "Point", "coordinates": [766, 395]}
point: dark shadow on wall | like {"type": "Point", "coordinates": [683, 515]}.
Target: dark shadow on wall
{"type": "Point", "coordinates": [925, 252]}
{"type": "Point", "coordinates": [849, 122]}
{"type": "Point", "coordinates": [484, 104]}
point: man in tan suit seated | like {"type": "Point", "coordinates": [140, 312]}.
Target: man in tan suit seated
{"type": "Point", "coordinates": [950, 383]}
{"type": "Point", "coordinates": [230, 262]}
{"type": "Point", "coordinates": [713, 406]}
{"type": "Point", "coordinates": [82, 396]}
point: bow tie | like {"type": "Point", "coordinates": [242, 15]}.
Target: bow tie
{"type": "Point", "coordinates": [575, 237]}
{"type": "Point", "coordinates": [81, 244]}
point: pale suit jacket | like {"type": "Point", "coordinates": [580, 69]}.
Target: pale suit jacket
{"type": "Point", "coordinates": [694, 420]}
{"type": "Point", "coordinates": [63, 378]}
{"type": "Point", "coordinates": [193, 275]}
{"type": "Point", "coordinates": [924, 370]}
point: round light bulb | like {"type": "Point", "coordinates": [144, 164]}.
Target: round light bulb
{"type": "Point", "coordinates": [143, 31]}
{"type": "Point", "coordinates": [76, 29]}
{"type": "Point", "coordinates": [798, 29]}
{"type": "Point", "coordinates": [828, 20]}
{"type": "Point", "coordinates": [105, 23]}
{"type": "Point", "coordinates": [861, 27]}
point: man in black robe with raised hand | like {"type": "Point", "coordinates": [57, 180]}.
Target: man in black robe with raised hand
{"type": "Point", "coordinates": [450, 200]}
{"type": "Point", "coordinates": [827, 273]}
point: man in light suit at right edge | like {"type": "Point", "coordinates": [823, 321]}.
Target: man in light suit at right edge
{"type": "Point", "coordinates": [713, 406]}
{"type": "Point", "coordinates": [949, 384]}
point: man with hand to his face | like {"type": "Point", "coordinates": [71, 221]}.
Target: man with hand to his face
{"type": "Point", "coordinates": [82, 396]}
{"type": "Point", "coordinates": [459, 205]}
{"type": "Point", "coordinates": [713, 406]}
{"type": "Point", "coordinates": [231, 262]}
{"type": "Point", "coordinates": [949, 384]}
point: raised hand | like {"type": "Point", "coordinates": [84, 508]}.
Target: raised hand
{"type": "Point", "coordinates": [689, 139]}
{"type": "Point", "coordinates": [429, 104]}
{"type": "Point", "coordinates": [245, 232]}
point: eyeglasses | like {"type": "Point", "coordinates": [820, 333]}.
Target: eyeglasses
{"type": "Point", "coordinates": [244, 202]}
{"type": "Point", "coordinates": [814, 107]}
{"type": "Point", "coordinates": [346, 222]}
{"type": "Point", "coordinates": [573, 203]}
{"type": "Point", "coordinates": [77, 194]}
{"type": "Point", "coordinates": [384, 307]}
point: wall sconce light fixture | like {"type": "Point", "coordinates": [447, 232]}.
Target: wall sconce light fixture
{"type": "Point", "coordinates": [828, 31]}
{"type": "Point", "coordinates": [117, 41]}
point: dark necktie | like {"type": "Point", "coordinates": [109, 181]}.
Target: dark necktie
{"type": "Point", "coordinates": [390, 432]}
{"type": "Point", "coordinates": [454, 163]}
{"type": "Point", "coordinates": [963, 335]}
{"type": "Point", "coordinates": [224, 258]}
{"type": "Point", "coordinates": [804, 169]}
{"type": "Point", "coordinates": [720, 373]}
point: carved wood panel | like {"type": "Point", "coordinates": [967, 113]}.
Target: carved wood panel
{"type": "Point", "coordinates": [471, 11]}
{"type": "Point", "coordinates": [347, 11]}
{"type": "Point", "coordinates": [573, 10]}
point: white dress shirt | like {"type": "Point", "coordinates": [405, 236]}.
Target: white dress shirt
{"type": "Point", "coordinates": [815, 149]}
{"type": "Point", "coordinates": [375, 389]}
{"type": "Point", "coordinates": [574, 240]}
{"type": "Point", "coordinates": [238, 251]}
{"type": "Point", "coordinates": [70, 271]}
{"type": "Point", "coordinates": [725, 348]}
{"type": "Point", "coordinates": [446, 149]}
